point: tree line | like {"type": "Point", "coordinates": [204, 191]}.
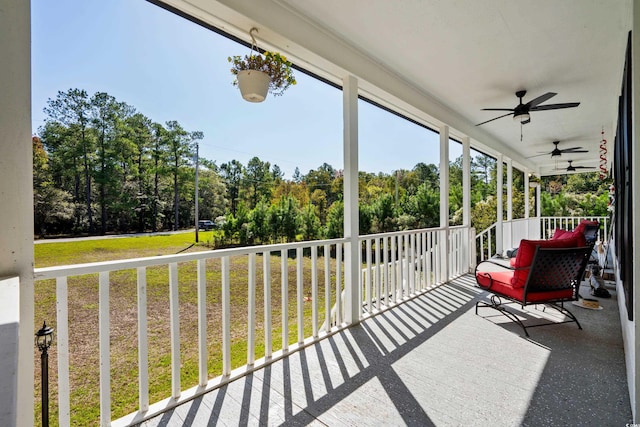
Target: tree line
{"type": "Point", "coordinates": [102, 167]}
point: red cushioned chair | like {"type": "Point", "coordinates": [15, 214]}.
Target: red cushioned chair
{"type": "Point", "coordinates": [546, 272]}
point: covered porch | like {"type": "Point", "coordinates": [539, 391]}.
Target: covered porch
{"type": "Point", "coordinates": [432, 361]}
{"type": "Point", "coordinates": [409, 343]}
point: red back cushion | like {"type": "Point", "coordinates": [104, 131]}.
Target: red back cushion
{"type": "Point", "coordinates": [527, 250]}
{"type": "Point", "coordinates": [575, 234]}
{"type": "Point", "coordinates": [560, 234]}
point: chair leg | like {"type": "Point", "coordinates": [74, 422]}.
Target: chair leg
{"type": "Point", "coordinates": [496, 304]}
{"type": "Point", "coordinates": [561, 308]}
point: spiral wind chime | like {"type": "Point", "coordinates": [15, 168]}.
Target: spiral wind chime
{"type": "Point", "coordinates": [603, 157]}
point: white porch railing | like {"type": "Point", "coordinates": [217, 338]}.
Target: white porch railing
{"type": "Point", "coordinates": [104, 273]}
{"type": "Point", "coordinates": [549, 224]}
{"type": "Point", "coordinates": [531, 228]}
{"type": "Point", "coordinates": [486, 242]}
{"type": "Point", "coordinates": [394, 266]}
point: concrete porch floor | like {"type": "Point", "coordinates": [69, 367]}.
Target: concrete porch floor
{"type": "Point", "coordinates": [432, 362]}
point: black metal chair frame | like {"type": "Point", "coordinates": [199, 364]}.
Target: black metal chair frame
{"type": "Point", "coordinates": [552, 269]}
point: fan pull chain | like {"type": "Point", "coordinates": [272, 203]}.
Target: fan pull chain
{"type": "Point", "coordinates": [520, 131]}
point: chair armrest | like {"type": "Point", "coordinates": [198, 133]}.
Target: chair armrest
{"type": "Point", "coordinates": [499, 264]}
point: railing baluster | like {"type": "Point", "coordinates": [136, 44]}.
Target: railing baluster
{"type": "Point", "coordinates": [226, 318]}
{"type": "Point", "coordinates": [62, 315]}
{"type": "Point", "coordinates": [368, 278]}
{"type": "Point", "coordinates": [174, 313]}
{"type": "Point", "coordinates": [300, 294]}
{"type": "Point", "coordinates": [266, 267]}
{"type": "Point", "coordinates": [203, 374]}
{"type": "Point", "coordinates": [394, 270]}
{"type": "Point", "coordinates": [105, 362]}
{"type": "Point", "coordinates": [327, 286]}
{"type": "Point", "coordinates": [425, 254]}
{"type": "Point", "coordinates": [385, 265]}
{"type": "Point", "coordinates": [284, 270]}
{"type": "Point", "coordinates": [143, 343]}
{"type": "Point", "coordinates": [338, 284]}
{"type": "Point", "coordinates": [419, 261]}
{"type": "Point", "coordinates": [376, 270]}
{"type": "Point", "coordinates": [430, 258]}
{"type": "Point", "coordinates": [314, 290]}
{"type": "Point", "coordinates": [412, 267]}
{"type": "Point", "coordinates": [251, 314]}
{"type": "Point", "coordinates": [400, 268]}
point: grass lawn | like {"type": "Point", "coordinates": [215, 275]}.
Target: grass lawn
{"type": "Point", "coordinates": [83, 318]}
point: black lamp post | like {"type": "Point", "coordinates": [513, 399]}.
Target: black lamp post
{"type": "Point", "coordinates": [44, 337]}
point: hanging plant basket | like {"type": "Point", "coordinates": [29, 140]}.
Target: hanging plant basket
{"type": "Point", "coordinates": [253, 85]}
{"type": "Point", "coordinates": [260, 73]}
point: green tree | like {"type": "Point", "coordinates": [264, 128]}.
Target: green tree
{"type": "Point", "coordinates": [258, 181]}
{"type": "Point", "coordinates": [259, 222]}
{"type": "Point", "coordinates": [51, 205]}
{"type": "Point", "coordinates": [232, 173]}
{"type": "Point", "coordinates": [310, 223]}
{"type": "Point", "coordinates": [106, 112]}
{"type": "Point", "coordinates": [384, 214]}
{"type": "Point", "coordinates": [178, 151]}
{"type": "Point", "coordinates": [72, 110]}
{"type": "Point", "coordinates": [335, 221]}
{"type": "Point", "coordinates": [138, 132]}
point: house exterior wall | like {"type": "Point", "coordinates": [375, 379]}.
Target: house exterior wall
{"type": "Point", "coordinates": [16, 199]}
{"type": "Point", "coordinates": [630, 331]}
{"type": "Point", "coordinates": [634, 382]}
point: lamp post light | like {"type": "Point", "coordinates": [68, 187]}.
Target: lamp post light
{"type": "Point", "coordinates": [44, 338]}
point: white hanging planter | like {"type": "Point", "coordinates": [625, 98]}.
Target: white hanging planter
{"type": "Point", "coordinates": [253, 84]}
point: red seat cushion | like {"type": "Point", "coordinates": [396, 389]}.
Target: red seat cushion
{"type": "Point", "coordinates": [526, 251]}
{"type": "Point", "coordinates": [499, 282]}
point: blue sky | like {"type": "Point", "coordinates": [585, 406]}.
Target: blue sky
{"type": "Point", "coordinates": [171, 69]}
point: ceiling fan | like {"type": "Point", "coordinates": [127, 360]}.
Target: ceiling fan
{"type": "Point", "coordinates": [558, 152]}
{"type": "Point", "coordinates": [572, 168]}
{"type": "Point", "coordinates": [521, 111]}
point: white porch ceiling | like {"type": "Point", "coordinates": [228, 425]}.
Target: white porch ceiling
{"type": "Point", "coordinates": [442, 61]}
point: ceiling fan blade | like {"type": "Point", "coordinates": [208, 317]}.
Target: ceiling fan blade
{"type": "Point", "coordinates": [540, 99]}
{"type": "Point", "coordinates": [574, 151]}
{"type": "Point", "coordinates": [495, 118]}
{"type": "Point", "coordinates": [583, 167]}
{"type": "Point", "coordinates": [554, 106]}
{"type": "Point", "coordinates": [537, 155]}
{"type": "Point", "coordinates": [497, 109]}
{"type": "Point", "coordinates": [571, 149]}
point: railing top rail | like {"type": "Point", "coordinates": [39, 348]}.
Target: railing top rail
{"type": "Point", "coordinates": [486, 230]}
{"type": "Point", "coordinates": [575, 217]}
{"type": "Point", "coordinates": [403, 232]}
{"type": "Point", "coordinates": [126, 264]}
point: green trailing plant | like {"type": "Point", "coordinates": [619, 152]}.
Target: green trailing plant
{"type": "Point", "coordinates": [273, 63]}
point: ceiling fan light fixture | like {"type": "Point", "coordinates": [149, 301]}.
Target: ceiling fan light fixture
{"type": "Point", "coordinates": [521, 117]}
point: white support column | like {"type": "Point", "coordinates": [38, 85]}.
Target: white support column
{"type": "Point", "coordinates": [499, 204]}
{"type": "Point", "coordinates": [527, 204]}
{"type": "Point", "coordinates": [538, 202]}
{"type": "Point", "coordinates": [466, 182]}
{"type": "Point", "coordinates": [444, 202]}
{"type": "Point", "coordinates": [466, 200]}
{"type": "Point", "coordinates": [351, 222]}
{"type": "Point", "coordinates": [16, 209]}
{"type": "Point", "coordinates": [509, 163]}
